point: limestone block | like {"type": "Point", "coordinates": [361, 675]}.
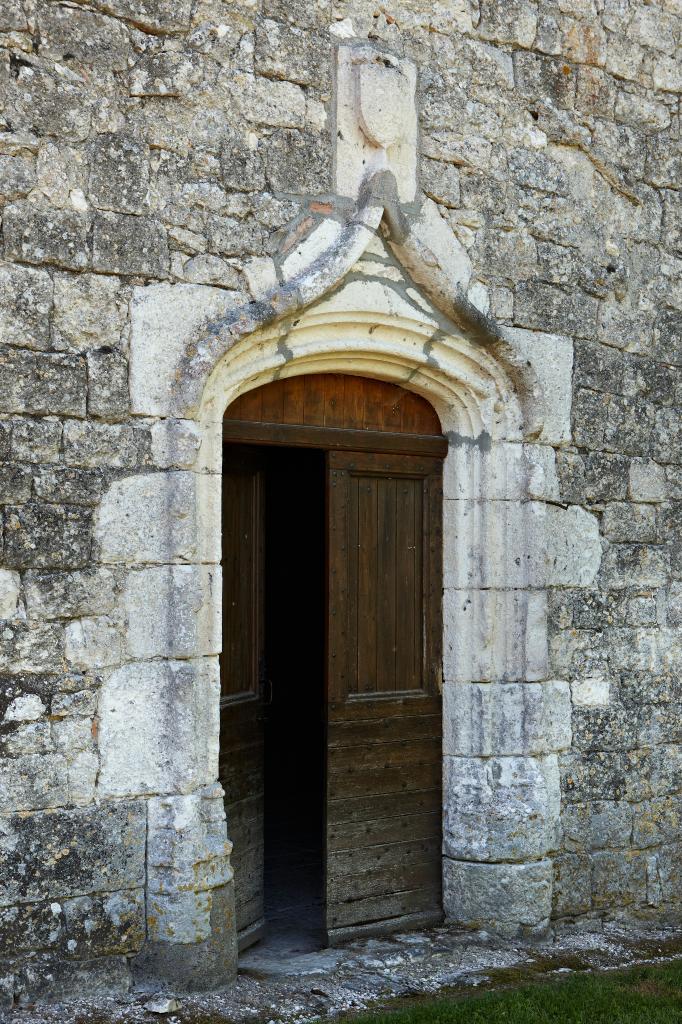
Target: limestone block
{"type": "Point", "coordinates": [42, 383]}
{"type": "Point", "coordinates": [237, 237]}
{"type": "Point", "coordinates": [119, 445]}
{"type": "Point", "coordinates": [572, 890]}
{"type": "Point", "coordinates": [119, 173]}
{"type": "Point", "coordinates": [440, 181]}
{"type": "Point", "coordinates": [492, 543]}
{"type": "Point", "coordinates": [164, 73]}
{"type": "Point", "coordinates": [173, 611]}
{"type": "Point", "coordinates": [10, 585]}
{"type": "Point", "coordinates": [635, 565]}
{"type": "Point", "coordinates": [501, 544]}
{"type": "Point", "coordinates": [625, 521]}
{"type": "Point", "coordinates": [507, 898]}
{"type": "Point", "coordinates": [72, 852]}
{"type": "Point", "coordinates": [68, 485]}
{"type": "Point", "coordinates": [532, 169]}
{"type": "Point", "coordinates": [321, 238]}
{"type": "Point", "coordinates": [25, 708]}
{"type": "Point", "coordinates": [107, 385]}
{"type": "Point", "coordinates": [512, 22]}
{"type": "Point", "coordinates": [647, 481]}
{"type": "Point", "coordinates": [25, 306]}
{"type": "Point", "coordinates": [28, 738]}
{"type": "Point", "coordinates": [668, 75]}
{"type": "Point", "coordinates": [495, 635]}
{"type": "Point", "coordinates": [261, 275]}
{"type": "Point", "coordinates": [56, 595]}
{"type": "Point", "coordinates": [175, 443]}
{"type": "Point", "coordinates": [127, 244]}
{"type": "Point", "coordinates": [48, 979]}
{"type": "Point", "coordinates": [181, 917]}
{"type": "Point", "coordinates": [481, 720]}
{"type": "Point", "coordinates": [500, 471]}
{"type": "Point", "coordinates": [159, 727]}
{"type": "Point", "coordinates": [30, 648]}
{"type": "Point", "coordinates": [164, 320]}
{"type": "Point", "coordinates": [36, 440]}
{"type": "Point", "coordinates": [89, 311]}
{"type": "Point", "coordinates": [84, 35]}
{"type": "Point", "coordinates": [17, 177]}
{"type": "Point", "coordinates": [187, 842]}
{"type": "Point", "coordinates": [573, 548]}
{"type": "Point", "coordinates": [92, 643]}
{"type": "Point", "coordinates": [32, 782]}
{"type": "Point", "coordinates": [551, 359]}
{"type": "Point", "coordinates": [298, 162]}
{"type": "Point", "coordinates": [591, 691]}
{"type": "Point", "coordinates": [505, 808]}
{"type": "Point", "coordinates": [101, 925]}
{"type": "Point", "coordinates": [42, 234]}
{"type": "Point", "coordinates": [268, 102]}
{"type": "Point", "coordinates": [286, 52]}
{"type": "Point", "coordinates": [618, 879]}
{"type": "Point", "coordinates": [75, 740]}
{"type": "Point", "coordinates": [160, 517]}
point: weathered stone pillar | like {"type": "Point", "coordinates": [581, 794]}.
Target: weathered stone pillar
{"type": "Point", "coordinates": [505, 720]}
{"type": "Point", "coordinates": [159, 720]}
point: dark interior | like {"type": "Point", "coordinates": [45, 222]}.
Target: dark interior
{"type": "Point", "coordinates": [294, 709]}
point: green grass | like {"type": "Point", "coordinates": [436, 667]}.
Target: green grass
{"type": "Point", "coordinates": [644, 995]}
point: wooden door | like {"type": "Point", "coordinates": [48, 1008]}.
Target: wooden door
{"type": "Point", "coordinates": [383, 814]}
{"type": "Point", "coordinates": [242, 678]}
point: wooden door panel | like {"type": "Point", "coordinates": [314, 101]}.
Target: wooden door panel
{"type": "Point", "coordinates": [398, 829]}
{"type": "Point", "coordinates": [241, 768]}
{"type": "Point", "coordinates": [384, 761]}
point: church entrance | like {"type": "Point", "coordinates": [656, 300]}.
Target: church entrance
{"type": "Point", "coordinates": [330, 751]}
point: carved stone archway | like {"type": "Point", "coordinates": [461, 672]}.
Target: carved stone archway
{"type": "Point", "coordinates": [377, 286]}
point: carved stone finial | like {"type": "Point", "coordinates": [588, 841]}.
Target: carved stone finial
{"type": "Point", "coordinates": [376, 120]}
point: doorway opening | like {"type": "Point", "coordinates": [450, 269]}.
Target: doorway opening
{"type": "Point", "coordinates": [294, 752]}
{"type": "Point", "coordinates": [331, 725]}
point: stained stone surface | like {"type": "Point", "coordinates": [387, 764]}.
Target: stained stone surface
{"type": "Point", "coordinates": [170, 183]}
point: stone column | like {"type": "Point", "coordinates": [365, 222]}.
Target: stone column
{"type": "Point", "coordinates": [505, 718]}
{"type": "Point", "coordinates": [159, 720]}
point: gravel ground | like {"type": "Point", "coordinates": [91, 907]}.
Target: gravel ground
{"type": "Point", "coordinates": [368, 973]}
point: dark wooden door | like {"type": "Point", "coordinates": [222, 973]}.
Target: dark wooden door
{"type": "Point", "coordinates": [242, 679]}
{"type": "Point", "coordinates": [383, 813]}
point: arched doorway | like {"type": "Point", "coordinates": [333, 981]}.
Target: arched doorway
{"type": "Point", "coordinates": [331, 668]}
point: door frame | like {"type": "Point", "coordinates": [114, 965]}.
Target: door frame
{"type": "Point", "coordinates": [330, 439]}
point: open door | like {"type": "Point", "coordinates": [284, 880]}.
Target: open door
{"type": "Point", "coordinates": [242, 681]}
{"type": "Point", "coordinates": [384, 762]}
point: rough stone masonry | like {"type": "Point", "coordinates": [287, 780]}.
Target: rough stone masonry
{"type": "Point", "coordinates": [175, 182]}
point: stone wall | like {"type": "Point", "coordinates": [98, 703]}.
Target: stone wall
{"type": "Point", "coordinates": [169, 142]}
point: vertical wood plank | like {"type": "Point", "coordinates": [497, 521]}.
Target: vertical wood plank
{"type": "Point", "coordinates": [354, 402]}
{"type": "Point", "coordinates": [334, 400]}
{"type": "Point", "coordinates": [250, 405]}
{"type": "Point", "coordinates": [313, 406]}
{"type": "Point", "coordinates": [387, 585]}
{"type": "Point", "coordinates": [393, 413]}
{"type": "Point", "coordinates": [367, 585]}
{"type": "Point", "coordinates": [273, 402]}
{"type": "Point", "coordinates": [374, 405]}
{"type": "Point", "coordinates": [293, 389]}
{"type": "Point", "coordinates": [408, 652]}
